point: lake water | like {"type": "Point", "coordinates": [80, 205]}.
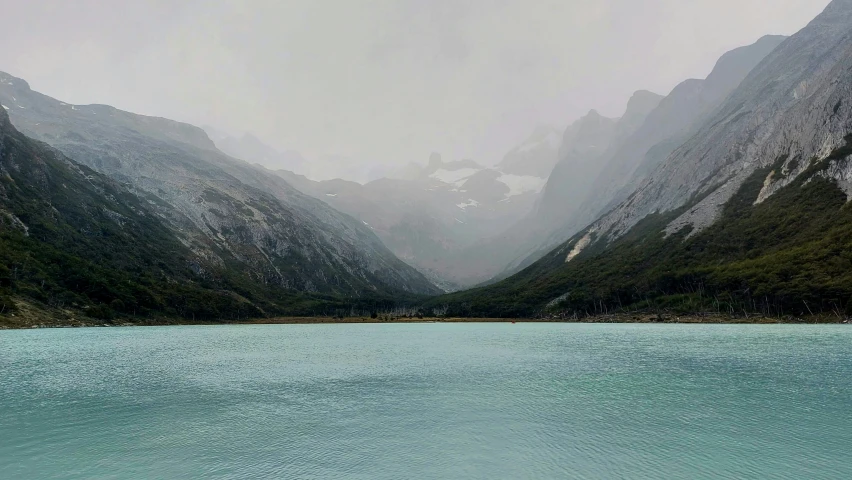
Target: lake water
{"type": "Point", "coordinates": [427, 401]}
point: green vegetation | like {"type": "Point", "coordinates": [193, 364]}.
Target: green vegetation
{"type": "Point", "coordinates": [789, 255]}
{"type": "Point", "coordinates": [72, 240]}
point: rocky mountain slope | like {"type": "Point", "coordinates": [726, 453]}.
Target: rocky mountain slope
{"type": "Point", "coordinates": [668, 126]}
{"type": "Point", "coordinates": [749, 215]}
{"type": "Point", "coordinates": [795, 105]}
{"type": "Point", "coordinates": [76, 241]}
{"type": "Point", "coordinates": [584, 152]}
{"type": "Point", "coordinates": [603, 160]}
{"type": "Point", "coordinates": [233, 215]}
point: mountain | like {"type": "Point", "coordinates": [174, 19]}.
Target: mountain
{"type": "Point", "coordinates": [583, 153]}
{"type": "Point", "coordinates": [749, 216]}
{"type": "Point", "coordinates": [235, 216]}
{"type": "Point", "coordinates": [603, 160]}
{"type": "Point", "coordinates": [78, 242]}
{"type": "Point", "coordinates": [430, 216]}
{"type": "Point", "coordinates": [581, 149]}
{"type": "Point", "coordinates": [669, 125]}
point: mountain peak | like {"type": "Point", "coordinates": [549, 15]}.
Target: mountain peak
{"type": "Point", "coordinates": [250, 140]}
{"type": "Point", "coordinates": [6, 79]}
{"type": "Point", "coordinates": [641, 103]}
{"type": "Point", "coordinates": [593, 118]}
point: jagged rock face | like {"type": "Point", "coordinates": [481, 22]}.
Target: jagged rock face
{"type": "Point", "coordinates": [793, 108]}
{"type": "Point", "coordinates": [229, 213]}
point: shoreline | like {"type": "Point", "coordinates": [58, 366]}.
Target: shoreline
{"type": "Point", "coordinates": [7, 323]}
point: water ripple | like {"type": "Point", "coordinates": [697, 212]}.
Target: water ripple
{"type": "Point", "coordinates": [428, 401]}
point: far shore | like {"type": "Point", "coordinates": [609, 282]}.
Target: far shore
{"type": "Point", "coordinates": [29, 322]}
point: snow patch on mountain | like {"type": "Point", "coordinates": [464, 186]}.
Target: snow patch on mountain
{"type": "Point", "coordinates": [521, 184]}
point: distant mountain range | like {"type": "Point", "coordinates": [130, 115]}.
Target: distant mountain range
{"type": "Point", "coordinates": [455, 222]}
{"type": "Point", "coordinates": [435, 211]}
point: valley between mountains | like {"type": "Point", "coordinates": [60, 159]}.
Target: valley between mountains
{"type": "Point", "coordinates": [727, 198]}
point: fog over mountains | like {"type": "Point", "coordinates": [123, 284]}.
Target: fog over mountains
{"type": "Point", "coordinates": [733, 186]}
{"type": "Point", "coordinates": [365, 87]}
{"type": "Point", "coordinates": [431, 213]}
{"type": "Point", "coordinates": [462, 224]}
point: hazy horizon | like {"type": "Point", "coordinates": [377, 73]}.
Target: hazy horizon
{"type": "Point", "coordinates": [379, 84]}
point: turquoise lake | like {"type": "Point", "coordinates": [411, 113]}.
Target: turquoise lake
{"type": "Point", "coordinates": [427, 401]}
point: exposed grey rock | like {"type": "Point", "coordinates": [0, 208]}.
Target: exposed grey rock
{"type": "Point", "coordinates": [841, 172]}
{"type": "Point", "coordinates": [669, 125]}
{"type": "Point", "coordinates": [793, 107]}
{"type": "Point", "coordinates": [230, 213]}
{"type": "Point", "coordinates": [592, 182]}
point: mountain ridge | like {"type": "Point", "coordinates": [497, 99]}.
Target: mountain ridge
{"type": "Point", "coordinates": [630, 154]}
{"type": "Point", "coordinates": [224, 209]}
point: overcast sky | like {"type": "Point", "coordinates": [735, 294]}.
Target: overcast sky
{"type": "Point", "coordinates": [378, 81]}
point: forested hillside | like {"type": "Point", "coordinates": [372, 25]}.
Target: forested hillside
{"type": "Point", "coordinates": [80, 244]}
